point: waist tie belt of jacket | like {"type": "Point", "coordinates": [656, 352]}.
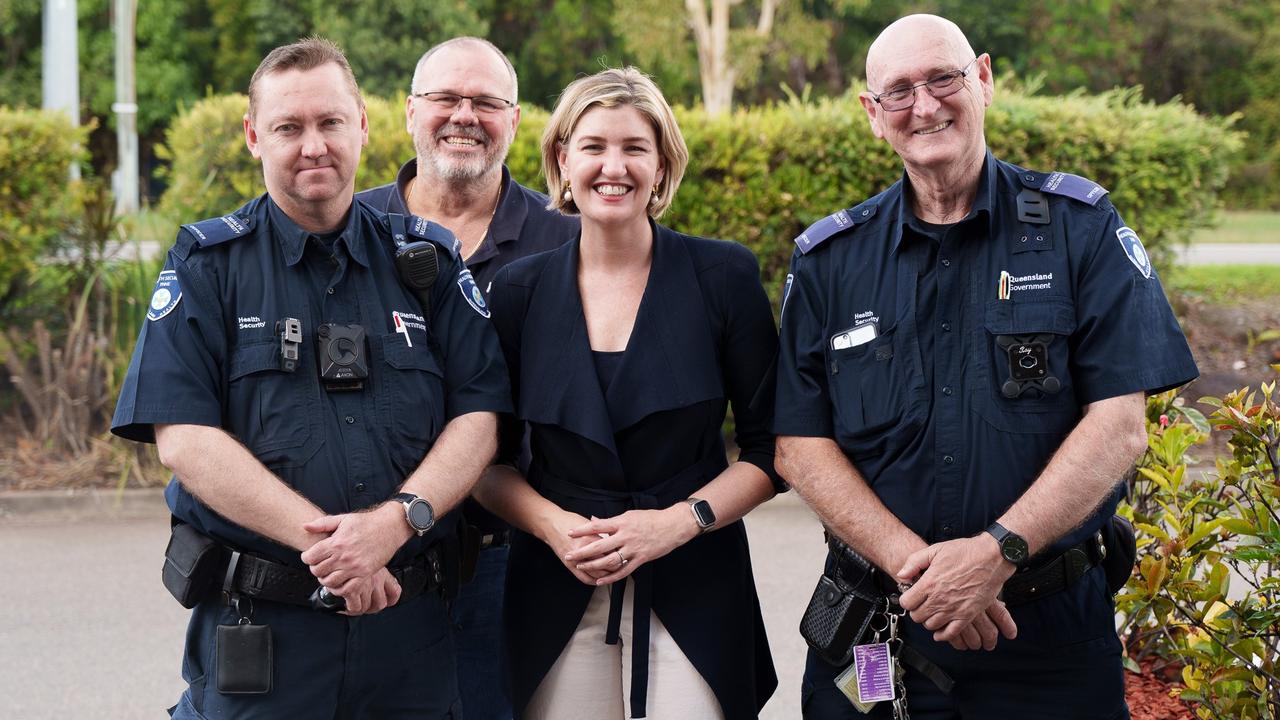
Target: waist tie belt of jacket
{"type": "Point", "coordinates": [262, 579]}
{"type": "Point", "coordinates": [608, 503]}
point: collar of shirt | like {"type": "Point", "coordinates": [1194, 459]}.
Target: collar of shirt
{"type": "Point", "coordinates": [982, 202]}
{"type": "Point", "coordinates": [293, 238]}
{"type": "Point", "coordinates": [507, 220]}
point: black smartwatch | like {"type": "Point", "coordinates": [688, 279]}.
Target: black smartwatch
{"type": "Point", "coordinates": [702, 513]}
{"type": "Point", "coordinates": [1013, 547]}
{"type": "Point", "coordinates": [418, 512]}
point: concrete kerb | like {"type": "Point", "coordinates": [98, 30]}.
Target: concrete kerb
{"type": "Point", "coordinates": [37, 506]}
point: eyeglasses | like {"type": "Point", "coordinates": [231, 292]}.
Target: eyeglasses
{"type": "Point", "coordinates": [939, 86]}
{"type": "Point", "coordinates": [482, 104]}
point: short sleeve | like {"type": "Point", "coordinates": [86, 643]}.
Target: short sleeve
{"type": "Point", "coordinates": [475, 374]}
{"type": "Point", "coordinates": [1127, 339]}
{"type": "Point", "coordinates": [175, 374]}
{"type": "Point", "coordinates": [803, 405]}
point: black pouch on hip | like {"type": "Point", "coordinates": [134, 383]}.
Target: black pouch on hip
{"type": "Point", "coordinates": [242, 653]}
{"type": "Point", "coordinates": [1122, 550]}
{"type": "Point", "coordinates": [244, 659]}
{"type": "Point", "coordinates": [840, 612]}
{"type": "Point", "coordinates": [192, 562]}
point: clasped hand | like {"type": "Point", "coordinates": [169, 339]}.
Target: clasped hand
{"type": "Point", "coordinates": [352, 560]}
{"type": "Point", "coordinates": [604, 551]}
{"type": "Point", "coordinates": [956, 592]}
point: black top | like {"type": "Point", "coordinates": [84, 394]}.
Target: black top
{"type": "Point", "coordinates": [703, 339]}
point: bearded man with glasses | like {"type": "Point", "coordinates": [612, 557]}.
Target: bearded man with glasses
{"type": "Point", "coordinates": [964, 359]}
{"type": "Point", "coordinates": [462, 113]}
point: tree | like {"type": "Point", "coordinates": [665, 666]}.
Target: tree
{"type": "Point", "coordinates": [735, 39]}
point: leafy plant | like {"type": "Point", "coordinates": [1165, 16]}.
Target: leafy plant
{"type": "Point", "coordinates": [1205, 592]}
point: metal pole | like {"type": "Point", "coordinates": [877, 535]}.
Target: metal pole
{"type": "Point", "coordinates": [61, 71]}
{"type": "Point", "coordinates": [126, 109]}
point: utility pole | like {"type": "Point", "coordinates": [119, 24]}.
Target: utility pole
{"type": "Point", "coordinates": [126, 109]}
{"type": "Point", "coordinates": [61, 71]}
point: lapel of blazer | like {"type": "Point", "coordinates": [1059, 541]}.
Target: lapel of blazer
{"type": "Point", "coordinates": [670, 361]}
{"type": "Point", "coordinates": [558, 382]}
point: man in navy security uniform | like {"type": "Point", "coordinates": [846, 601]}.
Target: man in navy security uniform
{"type": "Point", "coordinates": [961, 385]}
{"type": "Point", "coordinates": [462, 114]}
{"type": "Point", "coordinates": [263, 447]}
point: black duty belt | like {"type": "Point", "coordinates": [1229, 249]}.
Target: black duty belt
{"type": "Point", "coordinates": [1038, 579]}
{"type": "Point", "coordinates": [262, 579]}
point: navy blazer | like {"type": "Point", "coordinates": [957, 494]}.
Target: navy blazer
{"type": "Point", "coordinates": [703, 340]}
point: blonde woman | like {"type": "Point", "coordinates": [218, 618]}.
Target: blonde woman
{"type": "Point", "coordinates": [630, 587]}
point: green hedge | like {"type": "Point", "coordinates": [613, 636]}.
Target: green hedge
{"type": "Point", "coordinates": [761, 175]}
{"type": "Point", "coordinates": [37, 201]}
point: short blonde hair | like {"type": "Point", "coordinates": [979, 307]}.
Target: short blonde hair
{"type": "Point", "coordinates": [611, 88]}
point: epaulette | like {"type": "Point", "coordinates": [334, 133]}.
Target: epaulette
{"type": "Point", "coordinates": [1060, 183]}
{"type": "Point", "coordinates": [834, 224]}
{"type": "Point", "coordinates": [219, 230]}
{"type": "Point", "coordinates": [423, 229]}
{"type": "Point", "coordinates": [213, 231]}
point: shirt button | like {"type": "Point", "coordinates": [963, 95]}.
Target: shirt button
{"type": "Point", "coordinates": [946, 389]}
{"type": "Point", "coordinates": [946, 327]}
{"type": "Point", "coordinates": [359, 487]}
{"type": "Point", "coordinates": [948, 459]}
{"type": "Point", "coordinates": [350, 420]}
{"type": "Point", "coordinates": [946, 530]}
{"type": "Point", "coordinates": [330, 291]}
{"type": "Point", "coordinates": [946, 262]}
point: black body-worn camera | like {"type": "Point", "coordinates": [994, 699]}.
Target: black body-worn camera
{"type": "Point", "coordinates": [1028, 364]}
{"type": "Point", "coordinates": [344, 358]}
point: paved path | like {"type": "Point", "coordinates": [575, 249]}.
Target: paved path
{"type": "Point", "coordinates": [86, 630]}
{"type": "Point", "coordinates": [1230, 254]}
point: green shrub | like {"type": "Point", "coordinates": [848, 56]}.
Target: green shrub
{"type": "Point", "coordinates": [1206, 590]}
{"type": "Point", "coordinates": [761, 175]}
{"type": "Point", "coordinates": [37, 200]}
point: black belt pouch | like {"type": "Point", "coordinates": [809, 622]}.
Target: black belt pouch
{"type": "Point", "coordinates": [841, 609]}
{"type": "Point", "coordinates": [1122, 551]}
{"type": "Point", "coordinates": [192, 563]}
{"type": "Point", "coordinates": [244, 659]}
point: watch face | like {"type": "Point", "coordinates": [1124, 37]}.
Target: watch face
{"type": "Point", "coordinates": [702, 509]}
{"type": "Point", "coordinates": [1014, 549]}
{"type": "Point", "coordinates": [421, 516]}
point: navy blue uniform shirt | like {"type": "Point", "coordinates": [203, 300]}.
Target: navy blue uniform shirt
{"type": "Point", "coordinates": [209, 354]}
{"type": "Point", "coordinates": [917, 403]}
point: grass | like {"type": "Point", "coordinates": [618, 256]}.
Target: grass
{"type": "Point", "coordinates": [1224, 283]}
{"type": "Point", "coordinates": [1242, 226]}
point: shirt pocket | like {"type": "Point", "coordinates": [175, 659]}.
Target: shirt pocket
{"type": "Point", "coordinates": [872, 388]}
{"type": "Point", "coordinates": [269, 410]}
{"type": "Point", "coordinates": [412, 401]}
{"type": "Point", "coordinates": [1039, 407]}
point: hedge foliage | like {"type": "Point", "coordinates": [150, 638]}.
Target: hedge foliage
{"type": "Point", "coordinates": [37, 202]}
{"type": "Point", "coordinates": [761, 175]}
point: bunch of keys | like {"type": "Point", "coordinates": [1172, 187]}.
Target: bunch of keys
{"type": "Point", "coordinates": [875, 675]}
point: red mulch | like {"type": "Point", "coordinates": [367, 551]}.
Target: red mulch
{"type": "Point", "coordinates": [1149, 699]}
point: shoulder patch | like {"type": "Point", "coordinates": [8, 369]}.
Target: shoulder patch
{"type": "Point", "coordinates": [1134, 250]}
{"type": "Point", "coordinates": [1066, 184]}
{"type": "Point", "coordinates": [424, 229]}
{"type": "Point", "coordinates": [833, 225]}
{"type": "Point", "coordinates": [165, 297]}
{"type": "Point", "coordinates": [471, 292]}
{"type": "Point", "coordinates": [219, 229]}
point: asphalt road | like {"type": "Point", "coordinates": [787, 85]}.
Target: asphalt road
{"type": "Point", "coordinates": [86, 630]}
